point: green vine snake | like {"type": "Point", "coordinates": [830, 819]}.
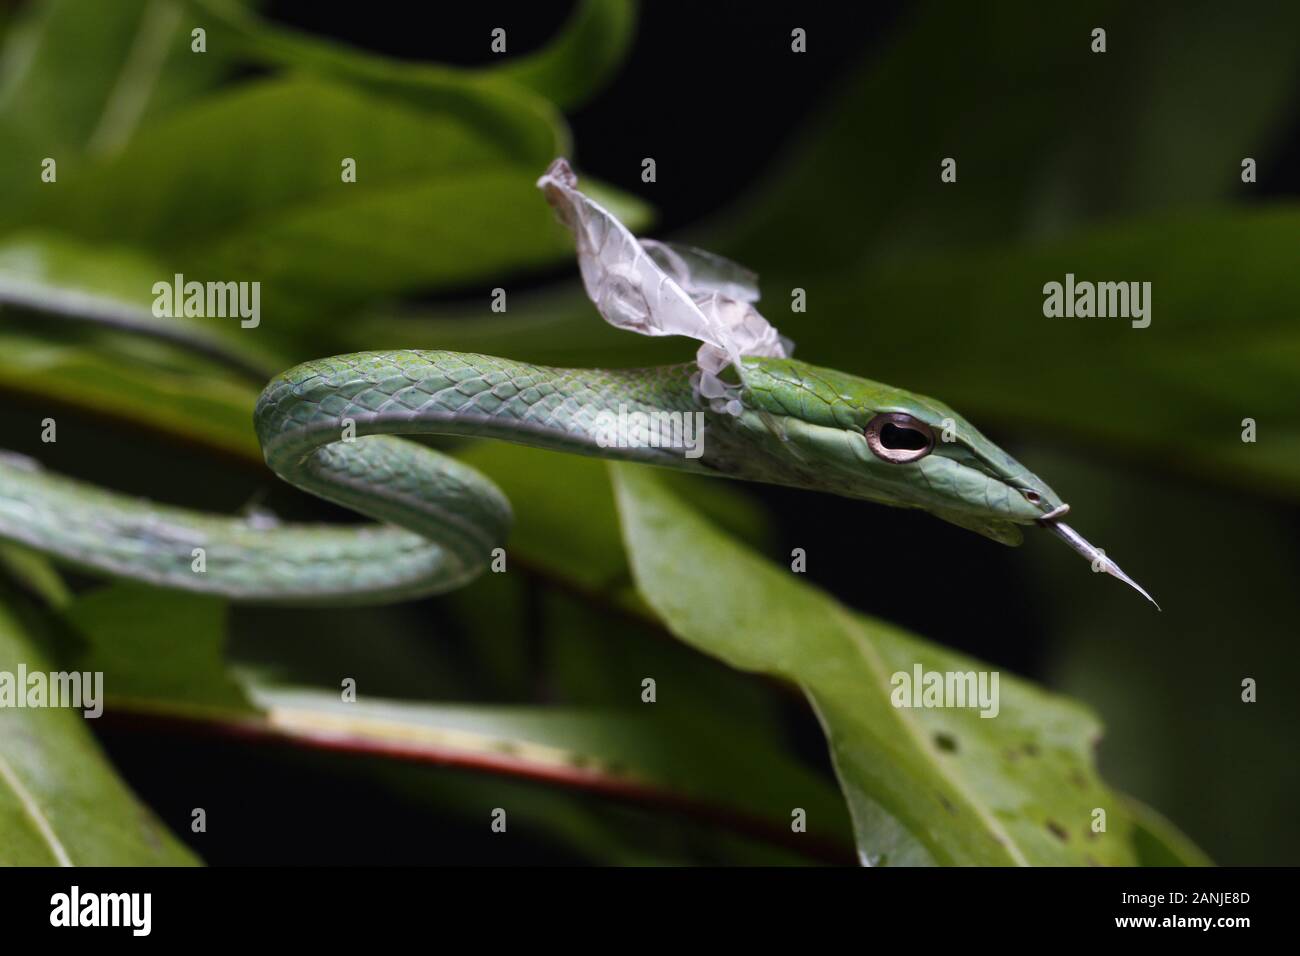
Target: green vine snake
{"type": "Point", "coordinates": [333, 427]}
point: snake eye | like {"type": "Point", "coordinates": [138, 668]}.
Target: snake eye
{"type": "Point", "coordinates": [1031, 496]}
{"type": "Point", "coordinates": [897, 437]}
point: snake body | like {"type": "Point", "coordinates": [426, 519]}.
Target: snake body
{"type": "Point", "coordinates": [326, 426]}
{"type": "Point", "coordinates": [333, 427]}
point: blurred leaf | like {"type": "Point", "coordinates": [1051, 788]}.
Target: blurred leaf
{"type": "Point", "coordinates": [1222, 344]}
{"type": "Point", "coordinates": [60, 801]}
{"type": "Point", "coordinates": [1158, 842]}
{"type": "Point", "coordinates": [603, 662]}
{"type": "Point", "coordinates": [556, 326]}
{"type": "Point", "coordinates": [566, 72]}
{"type": "Point", "coordinates": [923, 785]}
{"type": "Point", "coordinates": [510, 119]}
{"type": "Point", "coordinates": [437, 201]}
{"type": "Point", "coordinates": [76, 77]}
{"type": "Point", "coordinates": [33, 571]}
{"type": "Point", "coordinates": [157, 646]}
{"type": "Point", "coordinates": [580, 61]}
{"type": "Point", "coordinates": [60, 279]}
{"type": "Point", "coordinates": [129, 379]}
{"type": "Point", "coordinates": [866, 186]}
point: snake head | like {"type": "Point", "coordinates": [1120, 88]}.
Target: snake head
{"type": "Point", "coordinates": [854, 437]}
{"type": "Point", "coordinates": [885, 444]}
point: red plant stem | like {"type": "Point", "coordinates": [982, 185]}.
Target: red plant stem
{"type": "Point", "coordinates": [633, 792]}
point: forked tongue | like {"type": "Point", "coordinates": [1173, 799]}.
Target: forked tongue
{"type": "Point", "coordinates": [1094, 556]}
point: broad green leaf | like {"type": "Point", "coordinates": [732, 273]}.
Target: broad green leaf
{"type": "Point", "coordinates": [437, 201]}
{"type": "Point", "coordinates": [566, 72]}
{"type": "Point", "coordinates": [18, 169]}
{"type": "Point", "coordinates": [61, 804]}
{"type": "Point", "coordinates": [186, 180]}
{"type": "Point", "coordinates": [923, 784]}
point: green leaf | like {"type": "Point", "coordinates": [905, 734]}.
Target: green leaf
{"type": "Point", "coordinates": [924, 784]}
{"type": "Point", "coordinates": [556, 326]}
{"type": "Point", "coordinates": [59, 279]}
{"type": "Point", "coordinates": [131, 379]}
{"type": "Point", "coordinates": [77, 77]}
{"type": "Point", "coordinates": [162, 647]}
{"type": "Point", "coordinates": [438, 199]}
{"type": "Point", "coordinates": [566, 72]}
{"type": "Point", "coordinates": [510, 118]}
{"type": "Point", "coordinates": [592, 45]}
{"type": "Point", "coordinates": [60, 801]}
{"type": "Point", "coordinates": [34, 572]}
{"type": "Point", "coordinates": [85, 76]}
{"type": "Point", "coordinates": [63, 300]}
{"type": "Point", "coordinates": [542, 486]}
{"type": "Point", "coordinates": [1158, 842]}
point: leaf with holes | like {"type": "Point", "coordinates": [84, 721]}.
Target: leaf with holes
{"type": "Point", "coordinates": [924, 785]}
